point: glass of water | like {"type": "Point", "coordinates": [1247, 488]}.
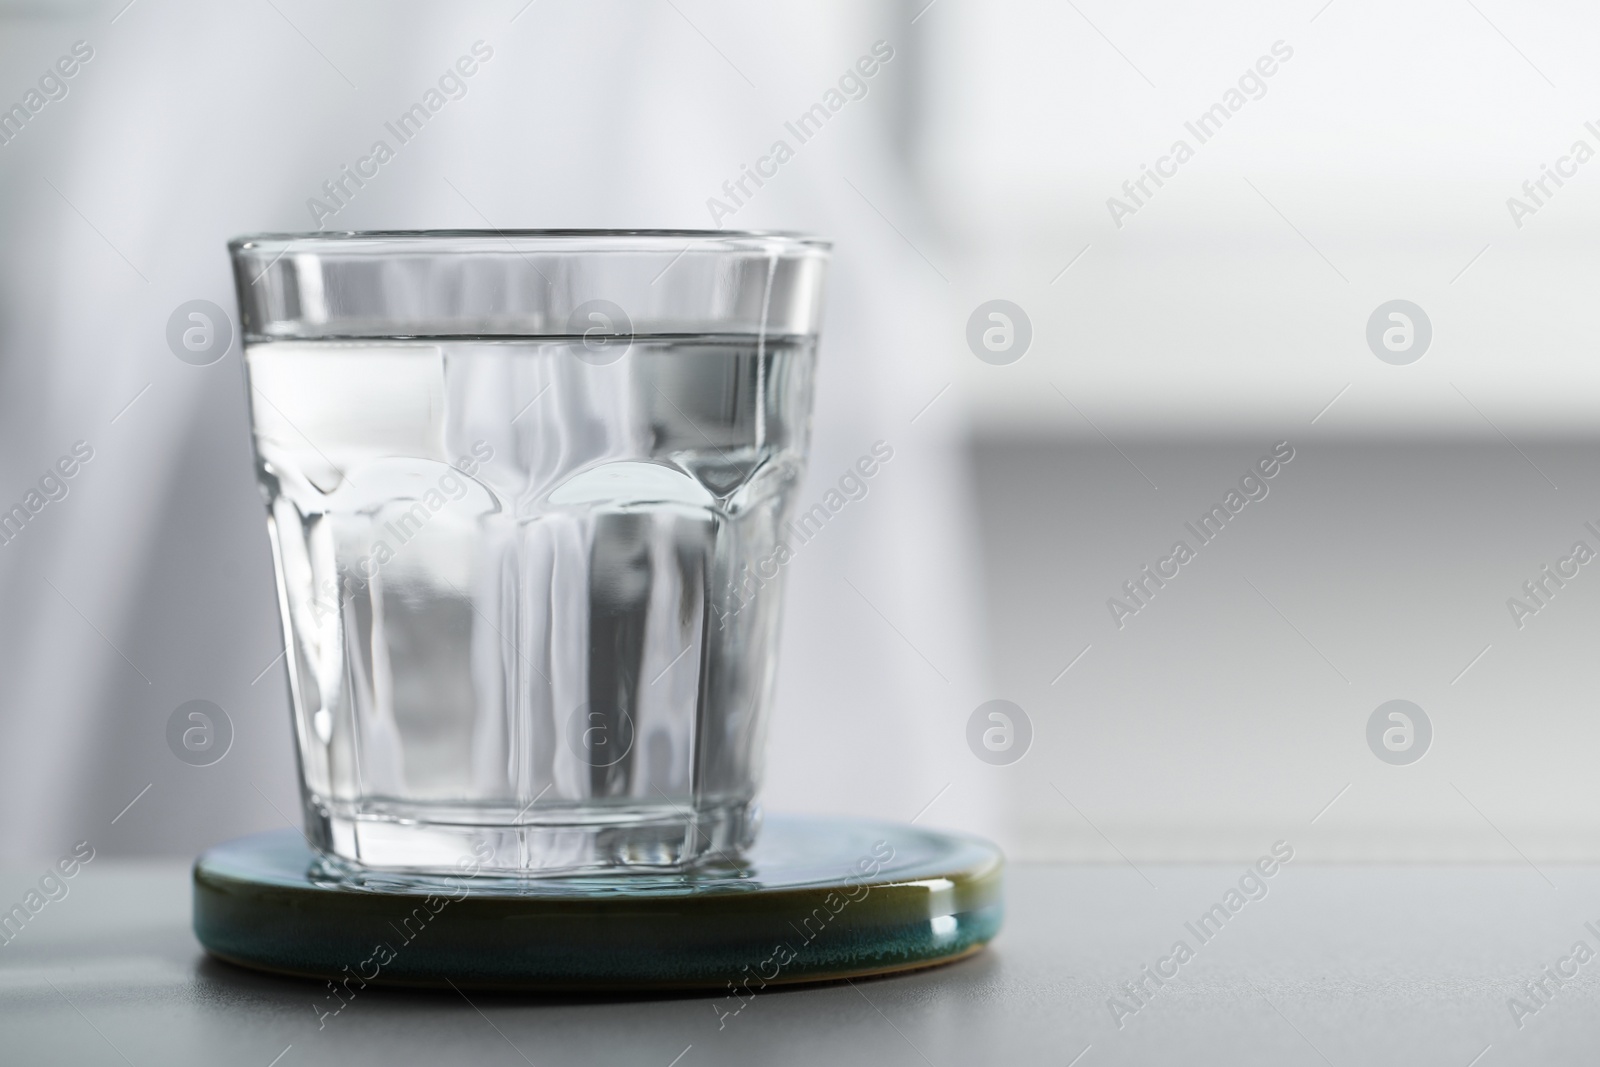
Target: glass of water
{"type": "Point", "coordinates": [527, 494]}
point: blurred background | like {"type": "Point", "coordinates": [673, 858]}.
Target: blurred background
{"type": "Point", "coordinates": [1178, 331]}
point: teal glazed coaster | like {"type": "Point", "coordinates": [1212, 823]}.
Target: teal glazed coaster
{"type": "Point", "coordinates": [814, 900]}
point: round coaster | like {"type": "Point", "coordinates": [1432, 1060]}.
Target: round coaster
{"type": "Point", "coordinates": [814, 899]}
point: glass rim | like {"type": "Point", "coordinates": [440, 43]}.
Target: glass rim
{"type": "Point", "coordinates": [606, 240]}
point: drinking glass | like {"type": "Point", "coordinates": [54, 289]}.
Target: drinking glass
{"type": "Point", "coordinates": [526, 493]}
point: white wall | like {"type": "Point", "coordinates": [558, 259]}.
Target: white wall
{"type": "Point", "coordinates": [1391, 141]}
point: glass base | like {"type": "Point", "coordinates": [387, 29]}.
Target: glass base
{"type": "Point", "coordinates": [431, 840]}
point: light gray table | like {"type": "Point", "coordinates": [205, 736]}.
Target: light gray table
{"type": "Point", "coordinates": [1336, 965]}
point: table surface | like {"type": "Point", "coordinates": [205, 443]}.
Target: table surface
{"type": "Point", "coordinates": [1333, 965]}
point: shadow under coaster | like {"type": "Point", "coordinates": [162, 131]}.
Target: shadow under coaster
{"type": "Point", "coordinates": [814, 899]}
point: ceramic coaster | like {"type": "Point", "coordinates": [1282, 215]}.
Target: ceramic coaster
{"type": "Point", "coordinates": [815, 899]}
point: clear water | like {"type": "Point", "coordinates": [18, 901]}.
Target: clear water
{"type": "Point", "coordinates": [520, 590]}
